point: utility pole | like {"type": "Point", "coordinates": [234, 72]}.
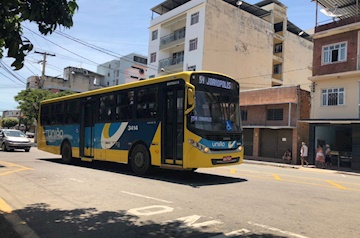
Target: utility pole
{"type": "Point", "coordinates": [44, 61]}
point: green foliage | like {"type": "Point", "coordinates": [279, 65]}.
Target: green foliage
{"type": "Point", "coordinates": [9, 122]}
{"type": "Point", "coordinates": [29, 101]}
{"type": "Point", "coordinates": [47, 14]}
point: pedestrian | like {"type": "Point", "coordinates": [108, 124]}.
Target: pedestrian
{"type": "Point", "coordinates": [327, 155]}
{"type": "Point", "coordinates": [287, 155]}
{"type": "Point", "coordinates": [304, 154]}
{"type": "Point", "coordinates": [320, 158]}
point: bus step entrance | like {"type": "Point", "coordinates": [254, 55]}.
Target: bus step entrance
{"type": "Point", "coordinates": [87, 159]}
{"type": "Point", "coordinates": [174, 162]}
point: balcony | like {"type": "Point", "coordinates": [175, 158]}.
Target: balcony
{"type": "Point", "coordinates": [172, 40]}
{"type": "Point", "coordinates": [172, 63]}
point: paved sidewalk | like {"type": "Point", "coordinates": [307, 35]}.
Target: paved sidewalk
{"type": "Point", "coordinates": [332, 169]}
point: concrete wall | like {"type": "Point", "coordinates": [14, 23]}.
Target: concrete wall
{"type": "Point", "coordinates": [238, 44]}
{"type": "Point", "coordinates": [348, 111]}
{"type": "Point", "coordinates": [298, 55]}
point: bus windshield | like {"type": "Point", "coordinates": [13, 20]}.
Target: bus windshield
{"type": "Point", "coordinates": [215, 112]}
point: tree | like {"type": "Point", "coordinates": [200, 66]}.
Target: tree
{"type": "Point", "coordinates": [29, 101]}
{"type": "Point", "coordinates": [47, 14]}
{"type": "Point", "coordinates": [9, 122]}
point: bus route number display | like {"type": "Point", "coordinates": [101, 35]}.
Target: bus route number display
{"type": "Point", "coordinates": [213, 82]}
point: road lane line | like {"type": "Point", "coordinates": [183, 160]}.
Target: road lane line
{"type": "Point", "coordinates": [143, 196]}
{"type": "Point", "coordinates": [14, 171]}
{"type": "Point", "coordinates": [277, 177]}
{"type": "Point", "coordinates": [336, 185]}
{"type": "Point", "coordinates": [277, 230]}
{"type": "Point", "coordinates": [4, 206]}
{"type": "Point", "coordinates": [76, 180]}
{"type": "Point", "coordinates": [232, 234]}
{"type": "Point", "coordinates": [232, 171]}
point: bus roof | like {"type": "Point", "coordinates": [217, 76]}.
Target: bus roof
{"type": "Point", "coordinates": [129, 85]}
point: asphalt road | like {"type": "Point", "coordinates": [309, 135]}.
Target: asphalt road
{"type": "Point", "coordinates": [42, 197]}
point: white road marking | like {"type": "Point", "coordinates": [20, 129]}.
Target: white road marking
{"type": "Point", "coordinates": [143, 196]}
{"type": "Point", "coordinates": [190, 221]}
{"type": "Point", "coordinates": [232, 234]}
{"type": "Point", "coordinates": [76, 180]}
{"type": "Point", "coordinates": [277, 230]}
{"type": "Point", "coordinates": [150, 210]}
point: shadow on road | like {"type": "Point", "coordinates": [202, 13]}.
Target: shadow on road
{"type": "Point", "coordinates": [89, 222]}
{"type": "Point", "coordinates": [193, 179]}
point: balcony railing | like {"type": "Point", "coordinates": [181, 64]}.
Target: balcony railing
{"type": "Point", "coordinates": [171, 38]}
{"type": "Point", "coordinates": [171, 61]}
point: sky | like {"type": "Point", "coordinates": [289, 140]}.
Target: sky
{"type": "Point", "coordinates": [118, 26]}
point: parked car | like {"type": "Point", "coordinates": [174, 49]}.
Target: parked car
{"type": "Point", "coordinates": [30, 134]}
{"type": "Point", "coordinates": [11, 139]}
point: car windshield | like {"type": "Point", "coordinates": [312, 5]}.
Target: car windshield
{"type": "Point", "coordinates": [14, 133]}
{"type": "Point", "coordinates": [215, 112]}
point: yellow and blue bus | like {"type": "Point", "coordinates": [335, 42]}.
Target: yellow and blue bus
{"type": "Point", "coordinates": [182, 121]}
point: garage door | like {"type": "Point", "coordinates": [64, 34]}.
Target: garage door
{"type": "Point", "coordinates": [248, 135]}
{"type": "Point", "coordinates": [273, 143]}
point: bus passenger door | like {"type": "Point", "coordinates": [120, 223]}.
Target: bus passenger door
{"type": "Point", "coordinates": [173, 127]}
{"type": "Point", "coordinates": [87, 129]}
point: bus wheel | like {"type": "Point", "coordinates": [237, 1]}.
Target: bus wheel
{"type": "Point", "coordinates": [66, 153]}
{"type": "Point", "coordinates": [140, 160]}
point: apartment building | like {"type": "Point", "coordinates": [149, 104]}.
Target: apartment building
{"type": "Point", "coordinates": [270, 119]}
{"type": "Point", "coordinates": [335, 92]}
{"type": "Point", "coordinates": [129, 68]}
{"type": "Point", "coordinates": [255, 44]}
{"type": "Point", "coordinates": [75, 79]}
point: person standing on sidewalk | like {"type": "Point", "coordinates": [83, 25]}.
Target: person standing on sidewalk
{"type": "Point", "coordinates": [304, 154]}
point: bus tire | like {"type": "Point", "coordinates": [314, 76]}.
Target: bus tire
{"type": "Point", "coordinates": [66, 153]}
{"type": "Point", "coordinates": [140, 160]}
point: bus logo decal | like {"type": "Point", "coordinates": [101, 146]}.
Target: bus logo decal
{"type": "Point", "coordinates": [231, 144]}
{"type": "Point", "coordinates": [105, 137]}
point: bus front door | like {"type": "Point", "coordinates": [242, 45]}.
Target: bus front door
{"type": "Point", "coordinates": [173, 127]}
{"type": "Point", "coordinates": [87, 130]}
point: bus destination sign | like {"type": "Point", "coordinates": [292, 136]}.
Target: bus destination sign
{"type": "Point", "coordinates": [214, 82]}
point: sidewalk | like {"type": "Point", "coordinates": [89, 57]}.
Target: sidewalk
{"type": "Point", "coordinates": [332, 169]}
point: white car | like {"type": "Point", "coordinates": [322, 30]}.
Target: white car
{"type": "Point", "coordinates": [14, 139]}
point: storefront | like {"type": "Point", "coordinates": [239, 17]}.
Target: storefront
{"type": "Point", "coordinates": [343, 138]}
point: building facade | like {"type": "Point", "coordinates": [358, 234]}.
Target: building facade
{"type": "Point", "coordinates": [270, 119]}
{"type": "Point", "coordinates": [335, 92]}
{"type": "Point", "coordinates": [75, 79]}
{"type": "Point", "coordinates": [255, 44]}
{"type": "Point", "coordinates": [129, 68]}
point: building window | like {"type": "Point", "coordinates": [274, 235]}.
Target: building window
{"type": "Point", "coordinates": [333, 97]}
{"type": "Point", "coordinates": [275, 114]}
{"type": "Point", "coordinates": [194, 18]}
{"type": "Point", "coordinates": [193, 44]}
{"type": "Point", "coordinates": [140, 60]}
{"type": "Point", "coordinates": [192, 68]}
{"type": "Point", "coordinates": [153, 57]}
{"type": "Point", "coordinates": [278, 48]}
{"type": "Point", "coordinates": [334, 53]}
{"type": "Point", "coordinates": [244, 114]}
{"type": "Point", "coordinates": [154, 35]}
{"type": "Point", "coordinates": [277, 68]}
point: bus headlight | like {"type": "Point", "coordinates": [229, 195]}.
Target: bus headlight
{"type": "Point", "coordinates": [240, 148]}
{"type": "Point", "coordinates": [199, 146]}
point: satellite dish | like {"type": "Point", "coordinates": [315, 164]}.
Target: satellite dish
{"type": "Point", "coordinates": [331, 12]}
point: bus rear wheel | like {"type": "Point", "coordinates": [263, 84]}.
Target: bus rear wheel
{"type": "Point", "coordinates": [66, 153]}
{"type": "Point", "coordinates": [140, 160]}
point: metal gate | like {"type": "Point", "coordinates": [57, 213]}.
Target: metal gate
{"type": "Point", "coordinates": [273, 143]}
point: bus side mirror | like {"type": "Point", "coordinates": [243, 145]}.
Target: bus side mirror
{"type": "Point", "coordinates": [190, 97]}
